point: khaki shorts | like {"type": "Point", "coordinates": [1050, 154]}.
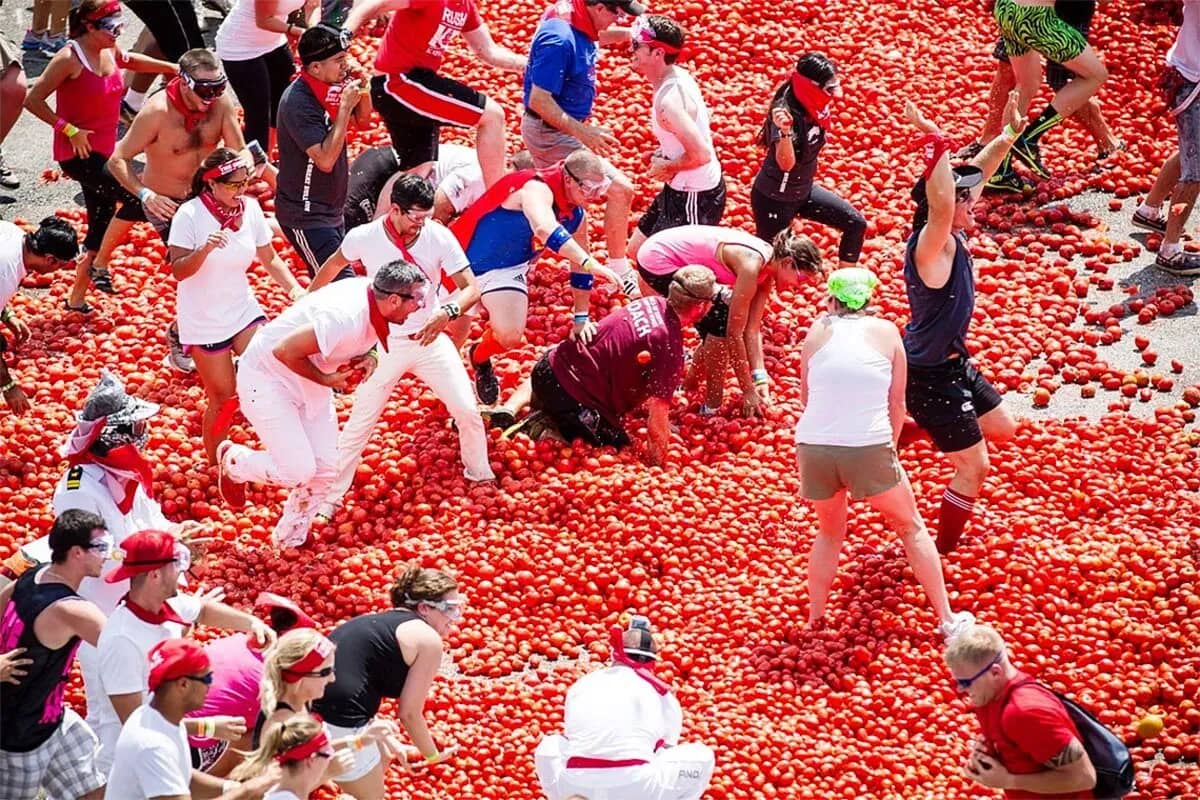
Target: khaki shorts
{"type": "Point", "coordinates": [866, 471]}
{"type": "Point", "coordinates": [9, 54]}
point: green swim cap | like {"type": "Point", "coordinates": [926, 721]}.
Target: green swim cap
{"type": "Point", "coordinates": [852, 286]}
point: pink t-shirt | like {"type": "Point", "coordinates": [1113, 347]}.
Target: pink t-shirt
{"type": "Point", "coordinates": [237, 672]}
{"type": "Point", "coordinates": [675, 248]}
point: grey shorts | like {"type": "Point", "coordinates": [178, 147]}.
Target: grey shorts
{"type": "Point", "coordinates": [65, 764]}
{"type": "Point", "coordinates": [548, 145]}
{"type": "Point", "coordinates": [9, 54]}
{"type": "Point", "coordinates": [1188, 124]}
{"type": "Point", "coordinates": [865, 471]}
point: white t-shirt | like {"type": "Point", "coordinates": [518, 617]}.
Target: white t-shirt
{"type": "Point", "coordinates": [216, 302]}
{"type": "Point", "coordinates": [463, 187]}
{"type": "Point", "coordinates": [12, 265]}
{"type": "Point", "coordinates": [707, 175]}
{"type": "Point", "coordinates": [1184, 55]}
{"type": "Point", "coordinates": [124, 646]}
{"type": "Point", "coordinates": [341, 319]}
{"type": "Point", "coordinates": [452, 158]}
{"type": "Point", "coordinates": [240, 39]}
{"type": "Point", "coordinates": [436, 252]}
{"type": "Point", "coordinates": [614, 714]}
{"type": "Point", "coordinates": [280, 794]}
{"type": "Point", "coordinates": [151, 758]}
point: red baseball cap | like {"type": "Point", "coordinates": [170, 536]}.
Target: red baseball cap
{"type": "Point", "coordinates": [142, 552]}
{"type": "Point", "coordinates": [176, 658]}
{"type": "Point", "coordinates": [272, 601]}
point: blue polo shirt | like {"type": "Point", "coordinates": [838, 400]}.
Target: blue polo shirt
{"type": "Point", "coordinates": [563, 62]}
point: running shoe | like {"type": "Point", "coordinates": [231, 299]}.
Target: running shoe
{"type": "Point", "coordinates": [487, 385]}
{"type": "Point", "coordinates": [232, 492]}
{"type": "Point", "coordinates": [1104, 155]}
{"type": "Point", "coordinates": [1009, 182]}
{"type": "Point", "coordinates": [1155, 224]}
{"type": "Point", "coordinates": [176, 358]}
{"type": "Point", "coordinates": [1030, 155]}
{"type": "Point", "coordinates": [1181, 264]}
{"type": "Point", "coordinates": [295, 520]}
{"type": "Point", "coordinates": [970, 151]}
{"type": "Point", "coordinates": [958, 625]}
{"type": "Point", "coordinates": [498, 417]}
{"type": "Point", "coordinates": [7, 178]}
{"type": "Point", "coordinates": [54, 44]}
{"type": "Point", "coordinates": [35, 42]}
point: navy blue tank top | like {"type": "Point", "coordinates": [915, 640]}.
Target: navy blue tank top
{"type": "Point", "coordinates": [369, 667]}
{"type": "Point", "coordinates": [940, 317]}
{"type": "Point", "coordinates": [31, 711]}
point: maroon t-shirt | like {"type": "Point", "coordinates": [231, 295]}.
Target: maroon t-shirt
{"type": "Point", "coordinates": [609, 374]}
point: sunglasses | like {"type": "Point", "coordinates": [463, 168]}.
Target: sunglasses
{"type": "Point", "coordinates": [832, 88]}
{"type": "Point", "coordinates": [236, 186]}
{"type": "Point", "coordinates": [406, 295]}
{"type": "Point", "coordinates": [324, 672]}
{"type": "Point", "coordinates": [207, 89]}
{"type": "Point", "coordinates": [591, 189]}
{"type": "Point", "coordinates": [103, 546]}
{"type": "Point", "coordinates": [965, 683]}
{"type": "Point", "coordinates": [323, 754]}
{"type": "Point", "coordinates": [205, 679]}
{"type": "Point", "coordinates": [112, 25]}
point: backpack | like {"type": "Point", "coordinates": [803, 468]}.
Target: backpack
{"type": "Point", "coordinates": [1109, 755]}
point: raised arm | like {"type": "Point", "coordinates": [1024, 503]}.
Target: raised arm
{"type": "Point", "coordinates": [484, 46]}
{"type": "Point", "coordinates": [370, 9]}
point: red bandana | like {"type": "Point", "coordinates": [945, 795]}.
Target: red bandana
{"type": "Point", "coordinates": [304, 749]}
{"type": "Point", "coordinates": [574, 12]}
{"type": "Point", "coordinates": [814, 99]}
{"type": "Point", "coordinates": [124, 467]}
{"type": "Point", "coordinates": [643, 671]}
{"type": "Point", "coordinates": [164, 614]}
{"type": "Point", "coordinates": [395, 237]}
{"type": "Point", "coordinates": [175, 94]}
{"type": "Point", "coordinates": [226, 217]}
{"type": "Point", "coordinates": [329, 95]}
{"type": "Point", "coordinates": [378, 320]}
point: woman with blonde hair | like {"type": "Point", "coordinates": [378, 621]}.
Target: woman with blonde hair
{"type": "Point", "coordinates": [301, 747]}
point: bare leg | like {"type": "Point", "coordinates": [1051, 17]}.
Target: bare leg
{"type": "Point", "coordinates": [899, 506]}
{"type": "Point", "coordinates": [823, 557]}
{"type": "Point", "coordinates": [1184, 195]}
{"type": "Point", "coordinates": [12, 98]}
{"type": "Point", "coordinates": [220, 382]}
{"type": "Point", "coordinates": [489, 142]}
{"type": "Point", "coordinates": [616, 216]}
{"type": "Point", "coordinates": [1027, 73]}
{"type": "Point", "coordinates": [715, 364]}
{"type": "Point", "coordinates": [1003, 82]}
{"type": "Point", "coordinates": [145, 44]}
{"type": "Point", "coordinates": [1164, 184]}
{"type": "Point", "coordinates": [1092, 120]}
{"type": "Point", "coordinates": [368, 787]}
{"type": "Point", "coordinates": [1090, 73]}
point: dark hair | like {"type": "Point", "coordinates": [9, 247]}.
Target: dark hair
{"type": "Point", "coordinates": [81, 15]}
{"type": "Point", "coordinates": [73, 528]}
{"type": "Point", "coordinates": [667, 31]}
{"type": "Point", "coordinates": [815, 66]}
{"type": "Point", "coordinates": [54, 237]}
{"type": "Point", "coordinates": [412, 191]}
{"type": "Point", "coordinates": [417, 584]}
{"type": "Point", "coordinates": [805, 255]}
{"type": "Point", "coordinates": [198, 58]}
{"type": "Point", "coordinates": [216, 158]}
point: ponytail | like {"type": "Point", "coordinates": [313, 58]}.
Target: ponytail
{"type": "Point", "coordinates": [276, 739]}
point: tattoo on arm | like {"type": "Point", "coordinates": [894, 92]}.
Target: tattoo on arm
{"type": "Point", "coordinates": [1069, 755]}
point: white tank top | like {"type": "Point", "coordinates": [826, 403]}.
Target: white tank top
{"type": "Point", "coordinates": [240, 39]}
{"type": "Point", "coordinates": [706, 176]}
{"type": "Point", "coordinates": [848, 383]}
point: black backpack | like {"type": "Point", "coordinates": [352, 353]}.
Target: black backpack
{"type": "Point", "coordinates": [1109, 755]}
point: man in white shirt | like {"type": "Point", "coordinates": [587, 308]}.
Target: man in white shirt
{"type": "Point", "coordinates": [622, 727]}
{"type": "Point", "coordinates": [694, 190]}
{"type": "Point", "coordinates": [418, 345]}
{"type": "Point", "coordinates": [152, 758]}
{"type": "Point", "coordinates": [152, 611]}
{"type": "Point", "coordinates": [286, 379]}
{"type": "Point", "coordinates": [54, 245]}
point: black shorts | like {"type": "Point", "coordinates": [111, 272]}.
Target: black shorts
{"type": "Point", "coordinates": [672, 208]}
{"type": "Point", "coordinates": [714, 323]}
{"type": "Point", "coordinates": [947, 400]}
{"type": "Point", "coordinates": [573, 420]}
{"type": "Point", "coordinates": [416, 104]}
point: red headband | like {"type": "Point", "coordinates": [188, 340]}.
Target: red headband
{"type": "Point", "coordinates": [106, 10]}
{"type": "Point", "coordinates": [304, 749]}
{"type": "Point", "coordinates": [321, 650]}
{"type": "Point", "coordinates": [226, 168]}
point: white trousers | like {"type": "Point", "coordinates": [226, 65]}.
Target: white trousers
{"type": "Point", "coordinates": [440, 367]}
{"type": "Point", "coordinates": [673, 773]}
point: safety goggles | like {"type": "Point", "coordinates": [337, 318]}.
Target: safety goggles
{"type": "Point", "coordinates": [963, 684]}
{"type": "Point", "coordinates": [591, 189]}
{"type": "Point", "coordinates": [103, 546]}
{"type": "Point", "coordinates": [207, 89]}
{"type": "Point", "coordinates": [451, 608]}
{"type": "Point", "coordinates": [418, 214]}
{"type": "Point", "coordinates": [182, 558]}
{"type": "Point", "coordinates": [962, 195]}
{"type": "Point", "coordinates": [112, 25]}
{"type": "Point", "coordinates": [640, 33]}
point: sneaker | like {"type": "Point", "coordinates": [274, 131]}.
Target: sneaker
{"type": "Point", "coordinates": [325, 512]}
{"type": "Point", "coordinates": [532, 425]}
{"type": "Point", "coordinates": [498, 417]}
{"type": "Point", "coordinates": [957, 626]}
{"type": "Point", "coordinates": [1156, 224]}
{"type": "Point", "coordinates": [295, 520]}
{"type": "Point", "coordinates": [7, 179]}
{"type": "Point", "coordinates": [1030, 155]}
{"type": "Point", "coordinates": [1009, 182]}
{"type": "Point", "coordinates": [487, 386]}
{"type": "Point", "coordinates": [53, 44]}
{"type": "Point", "coordinates": [176, 358]}
{"type": "Point", "coordinates": [232, 492]}
{"type": "Point", "coordinates": [1105, 155]}
{"type": "Point", "coordinates": [1182, 264]}
{"type": "Point", "coordinates": [34, 42]}
{"type": "Point", "coordinates": [970, 151]}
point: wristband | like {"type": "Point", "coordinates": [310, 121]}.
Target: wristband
{"type": "Point", "coordinates": [69, 130]}
{"type": "Point", "coordinates": [557, 238]}
{"type": "Point", "coordinates": [358, 742]}
{"type": "Point", "coordinates": [583, 317]}
{"type": "Point", "coordinates": [433, 758]}
{"type": "Point", "coordinates": [372, 354]}
{"type": "Point", "coordinates": [1010, 133]}
{"type": "Point", "coordinates": [143, 193]}
{"type": "Point", "coordinates": [12, 384]}
{"type": "Point", "coordinates": [759, 376]}
{"type": "Point", "coordinates": [452, 310]}
{"type": "Point", "coordinates": [582, 280]}
{"type": "Point", "coordinates": [60, 123]}
{"type": "Point", "coordinates": [208, 728]}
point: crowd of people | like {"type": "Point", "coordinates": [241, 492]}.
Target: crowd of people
{"type": "Point", "coordinates": [404, 248]}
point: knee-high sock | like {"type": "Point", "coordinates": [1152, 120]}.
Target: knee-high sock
{"type": "Point", "coordinates": [487, 347]}
{"type": "Point", "coordinates": [1045, 121]}
{"type": "Point", "coordinates": [956, 510]}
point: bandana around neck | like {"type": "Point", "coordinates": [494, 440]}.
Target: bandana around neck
{"type": "Point", "coordinates": [329, 95]}
{"type": "Point", "coordinates": [175, 94]}
{"type": "Point", "coordinates": [814, 99]}
{"type": "Point", "coordinates": [124, 467]}
{"type": "Point", "coordinates": [575, 13]}
{"type": "Point", "coordinates": [230, 218]}
{"type": "Point", "coordinates": [163, 614]}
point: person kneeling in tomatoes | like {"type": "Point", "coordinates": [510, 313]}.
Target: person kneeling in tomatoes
{"type": "Point", "coordinates": [621, 733]}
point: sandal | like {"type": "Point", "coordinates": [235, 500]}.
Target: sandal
{"type": "Point", "coordinates": [81, 309]}
{"type": "Point", "coordinates": [101, 280]}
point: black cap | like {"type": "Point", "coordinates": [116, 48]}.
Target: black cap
{"type": "Point", "coordinates": [321, 42]}
{"type": "Point", "coordinates": [966, 176]}
{"type": "Point", "coordinates": [631, 7]}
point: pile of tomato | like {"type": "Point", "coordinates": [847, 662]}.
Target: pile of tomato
{"type": "Point", "coordinates": [1083, 552]}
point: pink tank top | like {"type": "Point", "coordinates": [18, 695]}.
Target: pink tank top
{"type": "Point", "coordinates": [91, 102]}
{"type": "Point", "coordinates": [675, 248]}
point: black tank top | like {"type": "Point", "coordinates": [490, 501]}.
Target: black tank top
{"type": "Point", "coordinates": [256, 736]}
{"type": "Point", "coordinates": [368, 174]}
{"type": "Point", "coordinates": [940, 317]}
{"type": "Point", "coordinates": [369, 668]}
{"type": "Point", "coordinates": [32, 711]}
{"type": "Point", "coordinates": [808, 137]}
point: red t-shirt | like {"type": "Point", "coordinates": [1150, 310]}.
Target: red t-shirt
{"type": "Point", "coordinates": [608, 374]}
{"type": "Point", "coordinates": [418, 36]}
{"type": "Point", "coordinates": [1025, 727]}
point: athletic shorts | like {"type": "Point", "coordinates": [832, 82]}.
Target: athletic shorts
{"type": "Point", "coordinates": [673, 208]}
{"type": "Point", "coordinates": [1025, 28]}
{"type": "Point", "coordinates": [547, 145]}
{"type": "Point", "coordinates": [224, 345]}
{"type": "Point", "coordinates": [947, 400]}
{"type": "Point", "coordinates": [135, 212]}
{"type": "Point", "coordinates": [10, 54]}
{"type": "Point", "coordinates": [573, 419]}
{"type": "Point", "coordinates": [316, 245]}
{"type": "Point", "coordinates": [365, 759]}
{"type": "Point", "coordinates": [1188, 124]}
{"type": "Point", "coordinates": [504, 279]}
{"type": "Point", "coordinates": [714, 323]}
{"type": "Point", "coordinates": [65, 764]}
{"type": "Point", "coordinates": [415, 104]}
{"type": "Point", "coordinates": [864, 471]}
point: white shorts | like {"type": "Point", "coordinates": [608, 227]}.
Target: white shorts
{"type": "Point", "coordinates": [365, 759]}
{"type": "Point", "coordinates": [505, 279]}
{"type": "Point", "coordinates": [65, 764]}
{"type": "Point", "coordinates": [673, 773]}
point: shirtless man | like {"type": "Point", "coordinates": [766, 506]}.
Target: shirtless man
{"type": "Point", "coordinates": [176, 130]}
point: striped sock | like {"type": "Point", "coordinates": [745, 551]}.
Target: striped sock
{"type": "Point", "coordinates": [1045, 121]}
{"type": "Point", "coordinates": [956, 510]}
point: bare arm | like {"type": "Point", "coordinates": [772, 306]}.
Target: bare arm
{"type": "Point", "coordinates": [537, 202]}
{"type": "Point", "coordinates": [216, 614]}
{"type": "Point", "coordinates": [82, 618]}
{"type": "Point", "coordinates": [372, 9]}
{"type": "Point", "coordinates": [658, 430]}
{"type": "Point", "coordinates": [483, 45]}
{"type": "Point", "coordinates": [597, 139]}
{"type": "Point", "coordinates": [411, 710]}
{"type": "Point", "coordinates": [673, 117]}
{"type": "Point", "coordinates": [186, 263]}
{"type": "Point", "coordinates": [137, 62]}
{"type": "Point", "coordinates": [897, 408]}
{"type": "Point", "coordinates": [125, 704]}
{"type": "Point", "coordinates": [141, 134]}
{"type": "Point", "coordinates": [325, 154]}
{"type": "Point", "coordinates": [63, 66]}
{"type": "Point", "coordinates": [990, 158]}
{"type": "Point", "coordinates": [278, 271]}
{"type": "Point", "coordinates": [269, 17]}
{"type": "Point", "coordinates": [329, 270]}
{"type": "Point", "coordinates": [746, 266]}
{"type": "Point", "coordinates": [785, 148]}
